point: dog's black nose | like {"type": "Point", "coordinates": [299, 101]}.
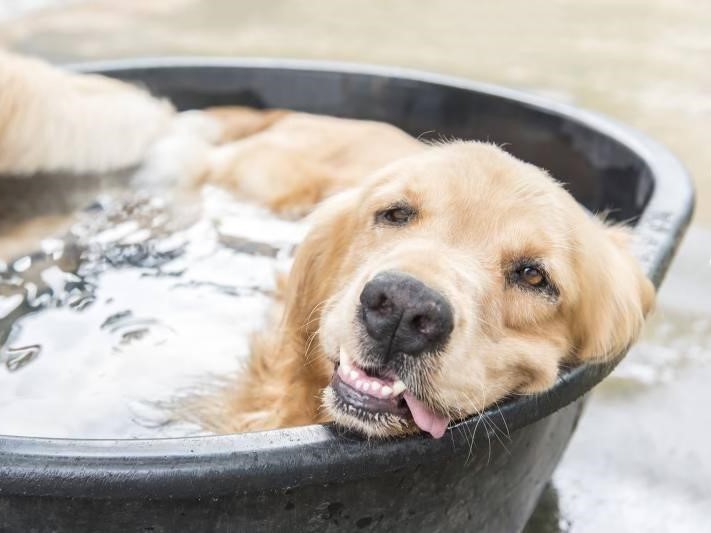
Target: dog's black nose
{"type": "Point", "coordinates": [403, 315]}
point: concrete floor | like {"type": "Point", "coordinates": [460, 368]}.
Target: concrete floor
{"type": "Point", "coordinates": [639, 460]}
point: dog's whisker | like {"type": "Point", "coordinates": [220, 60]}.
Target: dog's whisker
{"type": "Point", "coordinates": [315, 309]}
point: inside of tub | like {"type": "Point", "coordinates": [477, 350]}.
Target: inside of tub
{"type": "Point", "coordinates": [116, 298]}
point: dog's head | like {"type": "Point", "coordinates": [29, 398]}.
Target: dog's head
{"type": "Point", "coordinates": [455, 278]}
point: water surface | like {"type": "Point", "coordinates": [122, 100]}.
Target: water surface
{"type": "Point", "coordinates": [141, 301]}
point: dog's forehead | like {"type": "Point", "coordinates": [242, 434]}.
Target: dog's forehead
{"type": "Point", "coordinates": [475, 178]}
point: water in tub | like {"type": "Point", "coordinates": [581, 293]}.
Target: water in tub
{"type": "Point", "coordinates": [145, 297]}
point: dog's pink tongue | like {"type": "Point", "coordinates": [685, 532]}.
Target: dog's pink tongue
{"type": "Point", "coordinates": [425, 418]}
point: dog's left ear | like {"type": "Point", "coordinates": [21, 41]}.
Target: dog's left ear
{"type": "Point", "coordinates": [319, 259]}
{"type": "Point", "coordinates": [614, 298]}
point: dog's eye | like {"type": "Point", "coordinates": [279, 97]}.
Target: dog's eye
{"type": "Point", "coordinates": [396, 215]}
{"type": "Point", "coordinates": [529, 274]}
{"type": "Point", "coordinates": [532, 276]}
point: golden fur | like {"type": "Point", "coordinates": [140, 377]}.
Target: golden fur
{"type": "Point", "coordinates": [291, 161]}
{"type": "Point", "coordinates": [52, 120]}
{"type": "Point", "coordinates": [480, 212]}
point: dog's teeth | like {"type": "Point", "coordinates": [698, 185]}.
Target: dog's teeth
{"type": "Point", "coordinates": [398, 387]}
{"type": "Point", "coordinates": [366, 386]}
{"type": "Point", "coordinates": [375, 385]}
{"type": "Point", "coordinates": [359, 384]}
{"type": "Point", "coordinates": [353, 374]}
{"type": "Point", "coordinates": [386, 391]}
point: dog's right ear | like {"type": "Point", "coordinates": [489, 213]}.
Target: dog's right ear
{"type": "Point", "coordinates": [615, 295]}
{"type": "Point", "coordinates": [319, 260]}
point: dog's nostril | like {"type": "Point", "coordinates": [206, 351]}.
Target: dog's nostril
{"type": "Point", "coordinates": [375, 299]}
{"type": "Point", "coordinates": [384, 304]}
{"type": "Point", "coordinates": [424, 324]}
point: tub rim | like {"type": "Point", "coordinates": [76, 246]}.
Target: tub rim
{"type": "Point", "coordinates": [216, 465]}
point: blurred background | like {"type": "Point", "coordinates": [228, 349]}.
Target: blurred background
{"type": "Point", "coordinates": [640, 459]}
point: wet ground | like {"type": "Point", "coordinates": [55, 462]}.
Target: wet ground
{"type": "Point", "coordinates": [639, 460]}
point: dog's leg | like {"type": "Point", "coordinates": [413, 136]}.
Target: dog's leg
{"type": "Point", "coordinates": [270, 176]}
{"type": "Point", "coordinates": [52, 120]}
{"type": "Point", "coordinates": [239, 122]}
{"type": "Point", "coordinates": [290, 161]}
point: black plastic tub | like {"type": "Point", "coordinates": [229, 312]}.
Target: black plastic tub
{"type": "Point", "coordinates": [483, 475]}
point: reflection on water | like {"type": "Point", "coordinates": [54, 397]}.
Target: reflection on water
{"type": "Point", "coordinates": [140, 300]}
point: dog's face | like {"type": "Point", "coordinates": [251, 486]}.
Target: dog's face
{"type": "Point", "coordinates": [455, 278]}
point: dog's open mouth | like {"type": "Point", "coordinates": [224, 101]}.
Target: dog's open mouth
{"type": "Point", "coordinates": [369, 398]}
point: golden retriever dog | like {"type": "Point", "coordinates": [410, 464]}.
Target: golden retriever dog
{"type": "Point", "coordinates": [436, 280]}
